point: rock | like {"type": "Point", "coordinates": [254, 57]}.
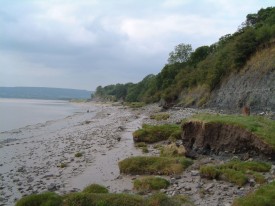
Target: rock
{"type": "Point", "coordinates": [209, 186]}
{"type": "Point", "coordinates": [52, 187]}
{"type": "Point", "coordinates": [194, 172]}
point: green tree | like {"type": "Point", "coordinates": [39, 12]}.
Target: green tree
{"type": "Point", "coordinates": [181, 54]}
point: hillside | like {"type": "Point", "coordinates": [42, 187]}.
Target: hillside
{"type": "Point", "coordinates": [235, 71]}
{"type": "Point", "coordinates": [43, 93]}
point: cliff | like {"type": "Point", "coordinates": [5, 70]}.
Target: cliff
{"type": "Point", "coordinates": [253, 86]}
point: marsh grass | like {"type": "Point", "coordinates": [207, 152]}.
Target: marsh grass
{"type": "Point", "coordinates": [43, 199]}
{"type": "Point", "coordinates": [172, 150]}
{"type": "Point", "coordinates": [156, 133]}
{"type": "Point", "coordinates": [100, 199]}
{"type": "Point", "coordinates": [236, 171]}
{"type": "Point", "coordinates": [153, 165]}
{"type": "Point", "coordinates": [149, 183]}
{"type": "Point", "coordinates": [262, 127]}
{"type": "Point", "coordinates": [264, 196]}
{"type": "Point", "coordinates": [95, 188]}
{"type": "Point", "coordinates": [160, 116]}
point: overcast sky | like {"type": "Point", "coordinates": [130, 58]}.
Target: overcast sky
{"type": "Point", "coordinates": [85, 43]}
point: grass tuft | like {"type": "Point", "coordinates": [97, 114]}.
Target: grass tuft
{"type": "Point", "coordinates": [160, 116]}
{"type": "Point", "coordinates": [264, 196]}
{"type": "Point", "coordinates": [172, 150]}
{"type": "Point", "coordinates": [153, 165]}
{"type": "Point", "coordinates": [152, 134]}
{"type": "Point", "coordinates": [145, 184]}
{"type": "Point", "coordinates": [78, 154]}
{"type": "Point", "coordinates": [236, 171]}
{"type": "Point", "coordinates": [95, 188]}
{"type": "Point", "coordinates": [44, 199]}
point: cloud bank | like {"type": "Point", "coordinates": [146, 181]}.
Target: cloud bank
{"type": "Point", "coordinates": [86, 43]}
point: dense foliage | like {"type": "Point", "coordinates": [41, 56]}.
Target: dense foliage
{"type": "Point", "coordinates": [190, 76]}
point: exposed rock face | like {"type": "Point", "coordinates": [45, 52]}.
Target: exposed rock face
{"type": "Point", "coordinates": [218, 137]}
{"type": "Point", "coordinates": [253, 86]}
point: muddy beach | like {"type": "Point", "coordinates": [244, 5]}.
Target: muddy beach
{"type": "Point", "coordinates": [42, 157]}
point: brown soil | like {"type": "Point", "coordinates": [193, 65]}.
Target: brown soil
{"type": "Point", "coordinates": [216, 137]}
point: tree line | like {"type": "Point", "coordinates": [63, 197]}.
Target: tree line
{"type": "Point", "coordinates": [200, 70]}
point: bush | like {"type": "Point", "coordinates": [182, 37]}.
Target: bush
{"type": "Point", "coordinates": [160, 116]}
{"type": "Point", "coordinates": [153, 165]}
{"type": "Point", "coordinates": [95, 188]}
{"type": "Point", "coordinates": [151, 134]}
{"type": "Point", "coordinates": [150, 183]}
{"type": "Point", "coordinates": [264, 196]}
{"type": "Point", "coordinates": [44, 199]}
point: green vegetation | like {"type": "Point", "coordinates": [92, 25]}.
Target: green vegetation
{"type": "Point", "coordinates": [135, 104]}
{"type": "Point", "coordinates": [78, 154]}
{"type": "Point", "coordinates": [62, 165]}
{"type": "Point", "coordinates": [190, 76]}
{"type": "Point", "coordinates": [95, 188]}
{"type": "Point", "coordinates": [264, 196]}
{"type": "Point", "coordinates": [160, 199]}
{"type": "Point", "coordinates": [44, 199]}
{"type": "Point", "coordinates": [172, 150]}
{"type": "Point", "coordinates": [262, 127]}
{"type": "Point", "coordinates": [236, 171]}
{"type": "Point", "coordinates": [91, 199]}
{"type": "Point", "coordinates": [153, 165]}
{"type": "Point", "coordinates": [151, 134]}
{"type": "Point", "coordinates": [160, 116]}
{"type": "Point", "coordinates": [145, 184]}
{"type": "Point", "coordinates": [88, 198]}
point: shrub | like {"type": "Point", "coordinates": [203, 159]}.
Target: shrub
{"type": "Point", "coordinates": [140, 144]}
{"type": "Point", "coordinates": [172, 150]}
{"type": "Point", "coordinates": [264, 196]}
{"type": "Point", "coordinates": [151, 134]}
{"type": "Point", "coordinates": [154, 165]}
{"type": "Point", "coordinates": [44, 199]}
{"type": "Point", "coordinates": [160, 116]}
{"type": "Point", "coordinates": [95, 188]}
{"type": "Point", "coordinates": [78, 154]}
{"type": "Point", "coordinates": [150, 183]}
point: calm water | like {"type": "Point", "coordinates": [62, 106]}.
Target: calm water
{"type": "Point", "coordinates": [17, 113]}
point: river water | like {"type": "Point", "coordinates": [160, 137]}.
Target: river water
{"type": "Point", "coordinates": [17, 113]}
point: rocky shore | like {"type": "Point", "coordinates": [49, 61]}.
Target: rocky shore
{"type": "Point", "coordinates": [67, 155]}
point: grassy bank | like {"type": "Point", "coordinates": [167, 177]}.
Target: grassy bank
{"type": "Point", "coordinates": [156, 133]}
{"type": "Point", "coordinates": [262, 127]}
{"type": "Point", "coordinates": [153, 165]}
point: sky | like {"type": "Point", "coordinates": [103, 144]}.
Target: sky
{"type": "Point", "coordinates": [82, 44]}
